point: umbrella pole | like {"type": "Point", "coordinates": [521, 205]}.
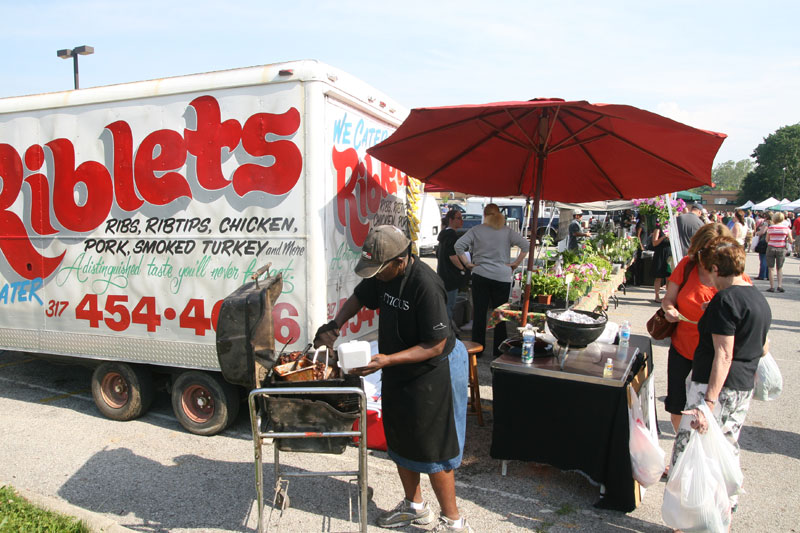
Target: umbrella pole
{"type": "Point", "coordinates": [533, 225]}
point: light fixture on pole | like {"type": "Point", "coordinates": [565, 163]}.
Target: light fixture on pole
{"type": "Point", "coordinates": [74, 53]}
{"type": "Point", "coordinates": [783, 180]}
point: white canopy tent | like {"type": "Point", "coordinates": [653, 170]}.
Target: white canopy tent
{"type": "Point", "coordinates": [786, 206]}
{"type": "Point", "coordinates": [748, 205]}
{"type": "Point", "coordinates": [607, 205]}
{"type": "Point", "coordinates": [766, 204]}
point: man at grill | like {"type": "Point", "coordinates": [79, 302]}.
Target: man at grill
{"type": "Point", "coordinates": [423, 371]}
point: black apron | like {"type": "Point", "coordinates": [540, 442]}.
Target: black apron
{"type": "Point", "coordinates": [417, 400]}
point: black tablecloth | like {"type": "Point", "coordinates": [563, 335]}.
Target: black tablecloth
{"type": "Point", "coordinates": [571, 425]}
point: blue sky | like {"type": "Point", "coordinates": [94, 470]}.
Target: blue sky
{"type": "Point", "coordinates": [732, 67]}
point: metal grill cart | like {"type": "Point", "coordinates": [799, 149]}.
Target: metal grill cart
{"type": "Point", "coordinates": [313, 416]}
{"type": "Point", "coordinates": [290, 419]}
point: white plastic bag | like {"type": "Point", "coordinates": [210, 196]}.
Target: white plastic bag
{"type": "Point", "coordinates": [717, 446]}
{"type": "Point", "coordinates": [769, 381]}
{"type": "Point", "coordinates": [695, 498]}
{"type": "Point", "coordinates": [647, 457]}
{"type": "Point", "coordinates": [754, 243]}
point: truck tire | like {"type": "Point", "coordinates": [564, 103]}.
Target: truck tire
{"type": "Point", "coordinates": [203, 403]}
{"type": "Point", "coordinates": [122, 391]}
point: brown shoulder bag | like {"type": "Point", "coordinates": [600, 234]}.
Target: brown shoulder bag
{"type": "Point", "coordinates": [658, 326]}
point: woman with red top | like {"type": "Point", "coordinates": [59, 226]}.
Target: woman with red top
{"type": "Point", "coordinates": [690, 302]}
{"type": "Point", "coordinates": [778, 234]}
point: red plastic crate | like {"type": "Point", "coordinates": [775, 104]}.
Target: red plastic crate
{"type": "Point", "coordinates": [376, 439]}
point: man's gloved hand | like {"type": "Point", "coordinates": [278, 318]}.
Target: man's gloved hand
{"type": "Point", "coordinates": [326, 335]}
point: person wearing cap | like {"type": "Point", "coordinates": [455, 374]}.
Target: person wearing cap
{"type": "Point", "coordinates": [576, 233]}
{"type": "Point", "coordinates": [423, 373]}
{"type": "Point", "coordinates": [687, 225]}
{"type": "Point", "coordinates": [453, 272]}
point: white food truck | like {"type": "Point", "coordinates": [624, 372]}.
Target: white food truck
{"type": "Point", "coordinates": [128, 212]}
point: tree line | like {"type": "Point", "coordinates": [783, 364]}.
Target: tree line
{"type": "Point", "coordinates": [774, 169]}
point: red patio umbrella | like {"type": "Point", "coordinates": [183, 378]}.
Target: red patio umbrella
{"type": "Point", "coordinates": [549, 149]}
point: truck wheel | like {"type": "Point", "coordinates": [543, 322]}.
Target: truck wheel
{"type": "Point", "coordinates": [204, 404]}
{"type": "Point", "coordinates": [122, 391]}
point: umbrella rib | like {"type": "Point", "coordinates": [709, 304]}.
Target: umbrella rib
{"type": "Point", "coordinates": [593, 160]}
{"type": "Point", "coordinates": [513, 119]}
{"type": "Point", "coordinates": [531, 157]}
{"type": "Point", "coordinates": [502, 135]}
{"type": "Point", "coordinates": [464, 152]}
{"type": "Point", "coordinates": [637, 147]}
{"type": "Point", "coordinates": [577, 142]}
{"type": "Point", "coordinates": [497, 132]}
{"type": "Point", "coordinates": [588, 125]}
{"type": "Point", "coordinates": [449, 125]}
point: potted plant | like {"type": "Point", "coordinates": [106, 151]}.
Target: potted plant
{"type": "Point", "coordinates": [655, 210]}
{"type": "Point", "coordinates": [544, 285]}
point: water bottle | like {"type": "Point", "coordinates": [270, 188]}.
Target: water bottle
{"type": "Point", "coordinates": [608, 370]}
{"type": "Point", "coordinates": [624, 337]}
{"type": "Point", "coordinates": [528, 338]}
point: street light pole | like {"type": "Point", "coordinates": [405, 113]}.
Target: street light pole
{"type": "Point", "coordinates": [783, 180]}
{"type": "Point", "coordinates": [74, 53]}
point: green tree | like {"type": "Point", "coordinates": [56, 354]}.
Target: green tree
{"type": "Point", "coordinates": [777, 171]}
{"type": "Point", "coordinates": [728, 176]}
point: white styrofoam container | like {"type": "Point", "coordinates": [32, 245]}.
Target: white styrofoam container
{"type": "Point", "coordinates": [354, 354]}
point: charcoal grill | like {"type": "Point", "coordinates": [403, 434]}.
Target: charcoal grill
{"type": "Point", "coordinates": [307, 416]}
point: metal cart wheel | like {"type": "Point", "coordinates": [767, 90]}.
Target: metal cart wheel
{"type": "Point", "coordinates": [261, 433]}
{"type": "Point", "coordinates": [282, 500]}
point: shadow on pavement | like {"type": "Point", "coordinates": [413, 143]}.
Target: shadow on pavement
{"type": "Point", "coordinates": [766, 440]}
{"type": "Point", "coordinates": [194, 492]}
{"type": "Point", "coordinates": [785, 325]}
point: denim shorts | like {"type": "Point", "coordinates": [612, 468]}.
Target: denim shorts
{"type": "Point", "coordinates": [459, 379]}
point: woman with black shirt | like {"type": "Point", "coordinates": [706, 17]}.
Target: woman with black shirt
{"type": "Point", "coordinates": [733, 337]}
{"type": "Point", "coordinates": [661, 254]}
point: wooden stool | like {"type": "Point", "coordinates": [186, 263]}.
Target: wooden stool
{"type": "Point", "coordinates": [473, 348]}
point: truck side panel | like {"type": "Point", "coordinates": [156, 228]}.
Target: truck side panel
{"type": "Point", "coordinates": [122, 226]}
{"type": "Point", "coordinates": [367, 193]}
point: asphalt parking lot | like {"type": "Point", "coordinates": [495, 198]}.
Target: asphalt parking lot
{"type": "Point", "coordinates": [150, 475]}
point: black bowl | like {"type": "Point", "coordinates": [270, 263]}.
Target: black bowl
{"type": "Point", "coordinates": [575, 334]}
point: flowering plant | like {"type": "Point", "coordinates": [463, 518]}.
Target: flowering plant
{"type": "Point", "coordinates": [657, 208]}
{"type": "Point", "coordinates": [544, 284]}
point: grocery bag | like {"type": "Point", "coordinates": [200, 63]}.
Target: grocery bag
{"type": "Point", "coordinates": [718, 446]}
{"type": "Point", "coordinates": [695, 498]}
{"type": "Point", "coordinates": [647, 457]}
{"type": "Point", "coordinates": [768, 381]}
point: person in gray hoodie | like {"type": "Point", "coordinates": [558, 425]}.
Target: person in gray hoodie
{"type": "Point", "coordinates": [490, 261]}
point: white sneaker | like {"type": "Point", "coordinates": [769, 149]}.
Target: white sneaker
{"type": "Point", "coordinates": [445, 524]}
{"type": "Point", "coordinates": [404, 515]}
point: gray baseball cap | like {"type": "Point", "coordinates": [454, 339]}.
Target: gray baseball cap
{"type": "Point", "coordinates": [383, 243]}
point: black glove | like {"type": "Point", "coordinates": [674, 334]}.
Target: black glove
{"type": "Point", "coordinates": [326, 335]}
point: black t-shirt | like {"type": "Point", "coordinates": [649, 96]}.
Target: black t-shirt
{"type": "Point", "coordinates": [740, 311]}
{"type": "Point", "coordinates": [417, 315]}
{"type": "Point", "coordinates": [453, 277]}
